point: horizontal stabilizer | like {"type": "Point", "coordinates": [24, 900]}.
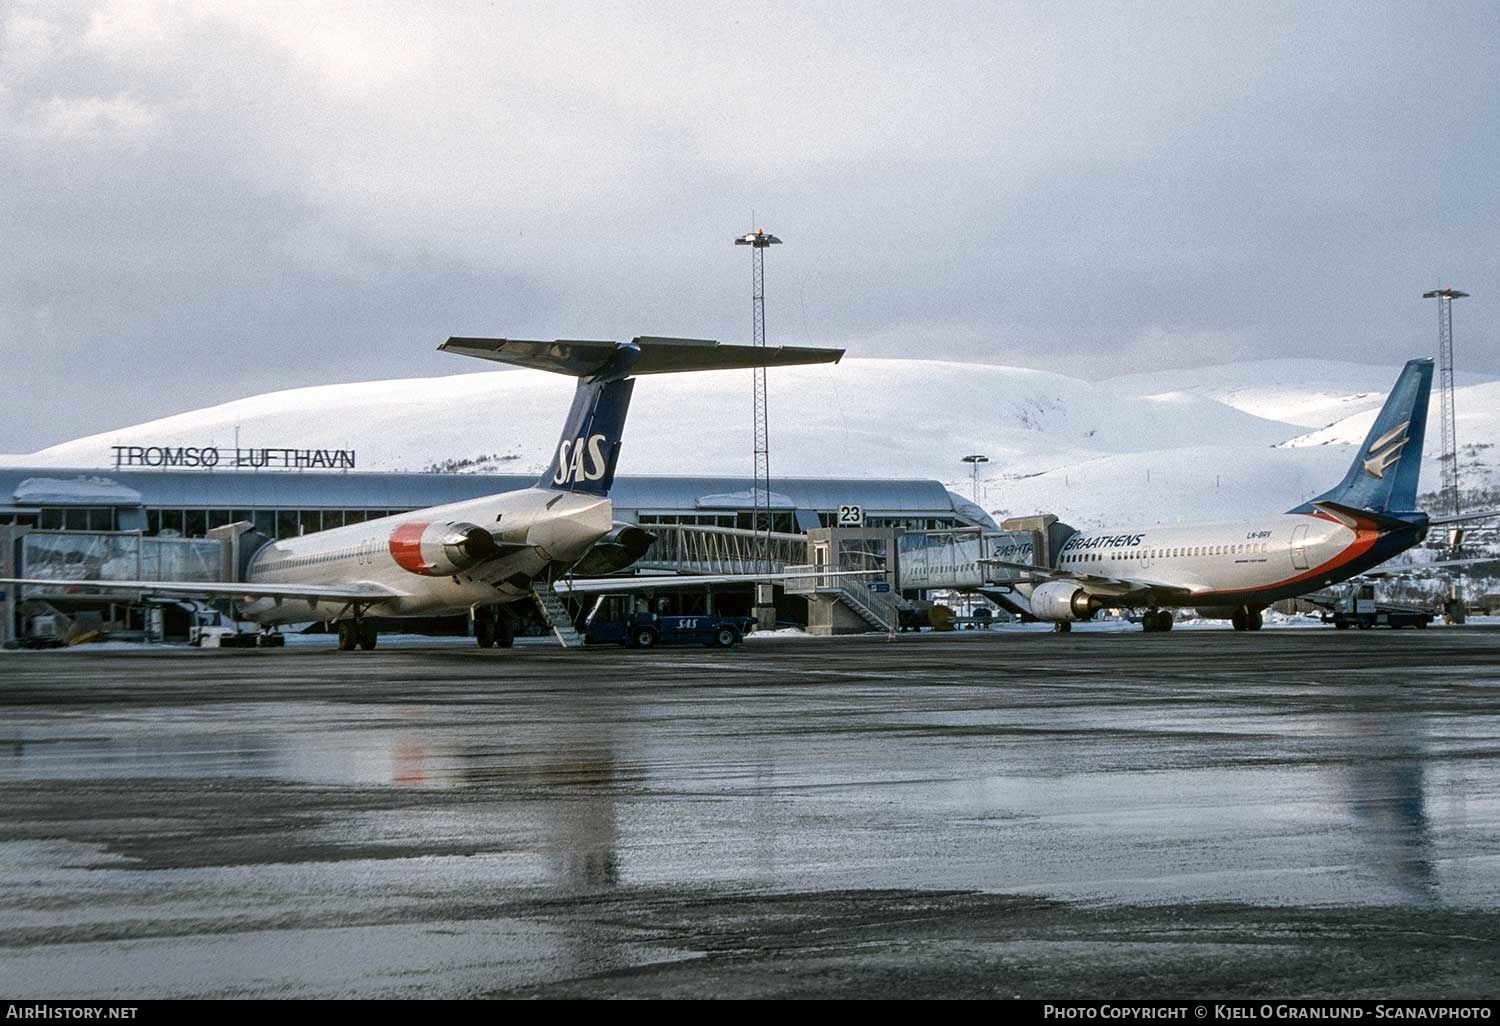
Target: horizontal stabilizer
{"type": "Point", "coordinates": [585, 358]}
{"type": "Point", "coordinates": [1418, 569]}
{"type": "Point", "coordinates": [1464, 518]}
{"type": "Point", "coordinates": [1355, 518]}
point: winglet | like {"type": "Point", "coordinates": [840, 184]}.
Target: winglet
{"type": "Point", "coordinates": [1355, 518]}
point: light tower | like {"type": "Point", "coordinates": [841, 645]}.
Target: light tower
{"type": "Point", "coordinates": [758, 240]}
{"type": "Point", "coordinates": [974, 460]}
{"type": "Point", "coordinates": [1445, 298]}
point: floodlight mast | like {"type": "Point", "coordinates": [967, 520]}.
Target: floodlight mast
{"type": "Point", "coordinates": [1445, 298]}
{"type": "Point", "coordinates": [974, 460]}
{"type": "Point", "coordinates": [758, 240]}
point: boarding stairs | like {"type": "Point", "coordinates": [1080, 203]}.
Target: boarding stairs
{"type": "Point", "coordinates": [879, 609]}
{"type": "Point", "coordinates": [555, 613]}
{"type": "Point", "coordinates": [865, 609]}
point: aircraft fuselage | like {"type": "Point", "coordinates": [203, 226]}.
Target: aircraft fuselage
{"type": "Point", "coordinates": [538, 527]}
{"type": "Point", "coordinates": [1241, 563]}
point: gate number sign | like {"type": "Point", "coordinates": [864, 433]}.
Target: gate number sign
{"type": "Point", "coordinates": [851, 516]}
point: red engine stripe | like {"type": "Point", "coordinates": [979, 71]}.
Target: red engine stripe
{"type": "Point", "coordinates": [406, 547]}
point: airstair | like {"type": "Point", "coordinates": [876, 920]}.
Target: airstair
{"type": "Point", "coordinates": [555, 613]}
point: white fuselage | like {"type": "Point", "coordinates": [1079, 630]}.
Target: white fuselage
{"type": "Point", "coordinates": [540, 528]}
{"type": "Point", "coordinates": [1236, 561]}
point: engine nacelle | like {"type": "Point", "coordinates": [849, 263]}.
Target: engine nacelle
{"type": "Point", "coordinates": [615, 551]}
{"type": "Point", "coordinates": [1063, 600]}
{"type": "Point", "coordinates": [441, 549]}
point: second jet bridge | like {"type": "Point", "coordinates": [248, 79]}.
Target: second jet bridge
{"type": "Point", "coordinates": [959, 560]}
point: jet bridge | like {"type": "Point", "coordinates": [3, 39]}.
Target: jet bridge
{"type": "Point", "coordinates": [957, 560]}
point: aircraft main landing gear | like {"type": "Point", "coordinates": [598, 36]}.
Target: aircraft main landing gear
{"type": "Point", "coordinates": [494, 628]}
{"type": "Point", "coordinates": [354, 634]}
{"type": "Point", "coordinates": [1246, 619]}
{"type": "Point", "coordinates": [1157, 620]}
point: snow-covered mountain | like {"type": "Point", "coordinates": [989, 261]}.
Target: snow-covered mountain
{"type": "Point", "coordinates": [1227, 441]}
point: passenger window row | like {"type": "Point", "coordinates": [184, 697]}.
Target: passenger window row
{"type": "Point", "coordinates": [1242, 549]}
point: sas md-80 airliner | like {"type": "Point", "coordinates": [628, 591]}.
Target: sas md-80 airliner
{"type": "Point", "coordinates": [483, 553]}
{"type": "Point", "coordinates": [1235, 570]}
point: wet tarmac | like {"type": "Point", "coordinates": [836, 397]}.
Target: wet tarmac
{"type": "Point", "coordinates": [1089, 815]}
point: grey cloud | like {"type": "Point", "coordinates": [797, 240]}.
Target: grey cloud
{"type": "Point", "coordinates": [208, 200]}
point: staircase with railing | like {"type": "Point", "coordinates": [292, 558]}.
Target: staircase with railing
{"type": "Point", "coordinates": [555, 613]}
{"type": "Point", "coordinates": [867, 598]}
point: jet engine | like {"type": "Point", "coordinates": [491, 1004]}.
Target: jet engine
{"type": "Point", "coordinates": [615, 551]}
{"type": "Point", "coordinates": [441, 549]}
{"type": "Point", "coordinates": [1063, 600]}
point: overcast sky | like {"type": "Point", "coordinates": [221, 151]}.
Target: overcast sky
{"type": "Point", "coordinates": [205, 200]}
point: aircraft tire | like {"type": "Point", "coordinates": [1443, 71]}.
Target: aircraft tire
{"type": "Point", "coordinates": [484, 631]}
{"type": "Point", "coordinates": [1253, 621]}
{"type": "Point", "coordinates": [346, 635]}
{"type": "Point", "coordinates": [1240, 620]}
{"type": "Point", "coordinates": [1164, 619]}
{"type": "Point", "coordinates": [1062, 627]}
{"type": "Point", "coordinates": [505, 629]}
{"type": "Point", "coordinates": [367, 635]}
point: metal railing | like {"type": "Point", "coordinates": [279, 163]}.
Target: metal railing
{"type": "Point", "coordinates": [880, 609]}
{"type": "Point", "coordinates": [691, 548]}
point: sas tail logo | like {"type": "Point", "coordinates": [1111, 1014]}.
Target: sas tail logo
{"type": "Point", "coordinates": [580, 459]}
{"type": "Point", "coordinates": [1386, 450]}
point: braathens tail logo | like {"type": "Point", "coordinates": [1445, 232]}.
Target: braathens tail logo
{"type": "Point", "coordinates": [1386, 450]}
{"type": "Point", "coordinates": [580, 459]}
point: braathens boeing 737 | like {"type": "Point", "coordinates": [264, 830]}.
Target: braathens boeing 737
{"type": "Point", "coordinates": [1235, 570]}
{"type": "Point", "coordinates": [484, 553]}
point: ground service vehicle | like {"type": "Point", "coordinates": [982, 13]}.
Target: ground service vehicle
{"type": "Point", "coordinates": [1358, 608]}
{"type": "Point", "coordinates": [616, 622]}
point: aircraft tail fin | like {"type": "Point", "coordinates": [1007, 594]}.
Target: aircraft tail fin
{"type": "Point", "coordinates": [1383, 476]}
{"type": "Point", "coordinates": [589, 448]}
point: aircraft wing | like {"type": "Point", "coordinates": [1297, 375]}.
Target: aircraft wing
{"type": "Point", "coordinates": [354, 592]}
{"type": "Point", "coordinates": [595, 585]}
{"type": "Point", "coordinates": [1125, 588]}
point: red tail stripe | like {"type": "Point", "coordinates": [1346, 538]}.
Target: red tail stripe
{"type": "Point", "coordinates": [1364, 539]}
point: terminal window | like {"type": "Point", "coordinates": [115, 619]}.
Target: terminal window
{"type": "Point", "coordinates": [274, 523]}
{"type": "Point", "coordinates": [83, 518]}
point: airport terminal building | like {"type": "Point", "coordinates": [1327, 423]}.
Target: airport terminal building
{"type": "Point", "coordinates": [283, 504]}
{"type": "Point", "coordinates": [160, 506]}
